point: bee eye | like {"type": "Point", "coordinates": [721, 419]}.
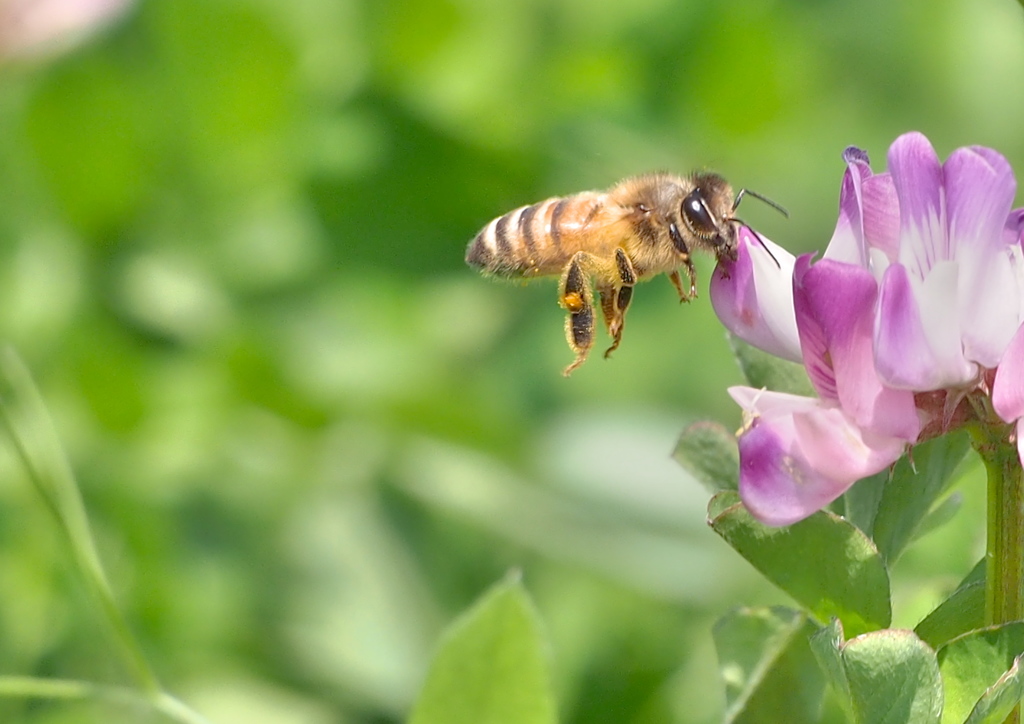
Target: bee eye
{"type": "Point", "coordinates": [697, 217]}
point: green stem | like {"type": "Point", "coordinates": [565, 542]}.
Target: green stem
{"type": "Point", "coordinates": [28, 687]}
{"type": "Point", "coordinates": [1004, 566]}
{"type": "Point", "coordinates": [1004, 558]}
{"type": "Point", "coordinates": [71, 522]}
{"type": "Point", "coordinates": [23, 416]}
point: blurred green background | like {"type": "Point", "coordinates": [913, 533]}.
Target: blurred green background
{"type": "Point", "coordinates": [231, 241]}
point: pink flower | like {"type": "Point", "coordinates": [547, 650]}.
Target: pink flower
{"type": "Point", "coordinates": [919, 296]}
{"type": "Point", "coordinates": [39, 27]}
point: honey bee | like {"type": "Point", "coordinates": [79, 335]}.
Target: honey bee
{"type": "Point", "coordinates": [641, 227]}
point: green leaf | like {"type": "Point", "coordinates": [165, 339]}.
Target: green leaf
{"type": "Point", "coordinates": [883, 677]}
{"type": "Point", "coordinates": [963, 611]}
{"type": "Point", "coordinates": [860, 503]}
{"type": "Point", "coordinates": [977, 574]}
{"type": "Point", "coordinates": [981, 673]}
{"type": "Point", "coordinates": [708, 452]}
{"type": "Point", "coordinates": [768, 667]}
{"type": "Point", "coordinates": [491, 666]}
{"type": "Point", "coordinates": [999, 700]}
{"type": "Point", "coordinates": [913, 490]}
{"type": "Point", "coordinates": [765, 370]}
{"type": "Point", "coordinates": [825, 563]}
{"type": "Point", "coordinates": [941, 514]}
{"type": "Point", "coordinates": [826, 645]}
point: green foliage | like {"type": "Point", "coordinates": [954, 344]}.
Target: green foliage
{"type": "Point", "coordinates": [491, 666]}
{"type": "Point", "coordinates": [883, 677]}
{"type": "Point", "coordinates": [767, 666]}
{"type": "Point", "coordinates": [825, 563]}
{"type": "Point", "coordinates": [981, 674]}
{"type": "Point", "coordinates": [304, 434]}
{"type": "Point", "coordinates": [708, 452]}
{"type": "Point", "coordinates": [763, 370]}
{"type": "Point", "coordinates": [838, 569]}
{"type": "Point", "coordinates": [894, 506]}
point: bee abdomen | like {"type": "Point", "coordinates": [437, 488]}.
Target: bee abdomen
{"type": "Point", "coordinates": [526, 241]}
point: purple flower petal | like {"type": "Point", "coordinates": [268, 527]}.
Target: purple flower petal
{"type": "Point", "coordinates": [753, 296]}
{"type": "Point", "coordinates": [917, 177]}
{"type": "Point", "coordinates": [814, 342]}
{"type": "Point", "coordinates": [1008, 387]}
{"type": "Point", "coordinates": [917, 335]}
{"type": "Point", "coordinates": [848, 242]}
{"type": "Point", "coordinates": [1013, 231]}
{"type": "Point", "coordinates": [774, 484]}
{"type": "Point", "coordinates": [798, 454]}
{"type": "Point", "coordinates": [979, 191]}
{"type": "Point", "coordinates": [839, 336]}
{"type": "Point", "coordinates": [881, 215]}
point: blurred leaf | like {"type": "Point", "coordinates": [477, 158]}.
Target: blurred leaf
{"type": "Point", "coordinates": [767, 666]}
{"type": "Point", "coordinates": [26, 421]}
{"type": "Point", "coordinates": [824, 562]}
{"type": "Point", "coordinates": [708, 452]}
{"type": "Point", "coordinates": [963, 611]}
{"type": "Point", "coordinates": [941, 514]}
{"type": "Point", "coordinates": [85, 128]}
{"type": "Point", "coordinates": [491, 666]}
{"type": "Point", "coordinates": [981, 673]}
{"type": "Point", "coordinates": [884, 677]}
{"type": "Point", "coordinates": [764, 370]}
{"type": "Point", "coordinates": [895, 508]}
{"type": "Point", "coordinates": [230, 99]}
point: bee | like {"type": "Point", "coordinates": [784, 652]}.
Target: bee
{"type": "Point", "coordinates": [641, 227]}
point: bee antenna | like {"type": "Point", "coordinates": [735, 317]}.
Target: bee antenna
{"type": "Point", "coordinates": [760, 239]}
{"type": "Point", "coordinates": [764, 199]}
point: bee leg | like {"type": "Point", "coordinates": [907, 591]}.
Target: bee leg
{"type": "Point", "coordinates": [575, 296]}
{"type": "Point", "coordinates": [691, 274]}
{"type": "Point", "coordinates": [678, 284]}
{"type": "Point", "coordinates": [619, 297]}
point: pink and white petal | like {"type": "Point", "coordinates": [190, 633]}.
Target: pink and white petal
{"type": "Point", "coordinates": [31, 28]}
{"type": "Point", "coordinates": [1013, 236]}
{"type": "Point", "coordinates": [753, 296]}
{"type": "Point", "coordinates": [879, 262]}
{"type": "Point", "coordinates": [918, 179]}
{"type": "Point", "coordinates": [1013, 230]}
{"type": "Point", "coordinates": [1019, 429]}
{"type": "Point", "coordinates": [846, 329]}
{"type": "Point", "coordinates": [990, 305]}
{"type": "Point", "coordinates": [759, 403]}
{"type": "Point", "coordinates": [776, 484]}
{"type": "Point", "coordinates": [881, 215]}
{"type": "Point", "coordinates": [1008, 386]}
{"type": "Point", "coordinates": [847, 242]}
{"type": "Point", "coordinates": [980, 187]}
{"type": "Point", "coordinates": [917, 336]}
{"type": "Point", "coordinates": [832, 442]}
{"type": "Point", "coordinates": [979, 192]}
{"type": "Point", "coordinates": [797, 455]}
{"type": "Point", "coordinates": [814, 342]}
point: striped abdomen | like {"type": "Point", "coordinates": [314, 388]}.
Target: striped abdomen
{"type": "Point", "coordinates": [538, 240]}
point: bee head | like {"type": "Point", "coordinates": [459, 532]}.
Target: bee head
{"type": "Point", "coordinates": [706, 211]}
